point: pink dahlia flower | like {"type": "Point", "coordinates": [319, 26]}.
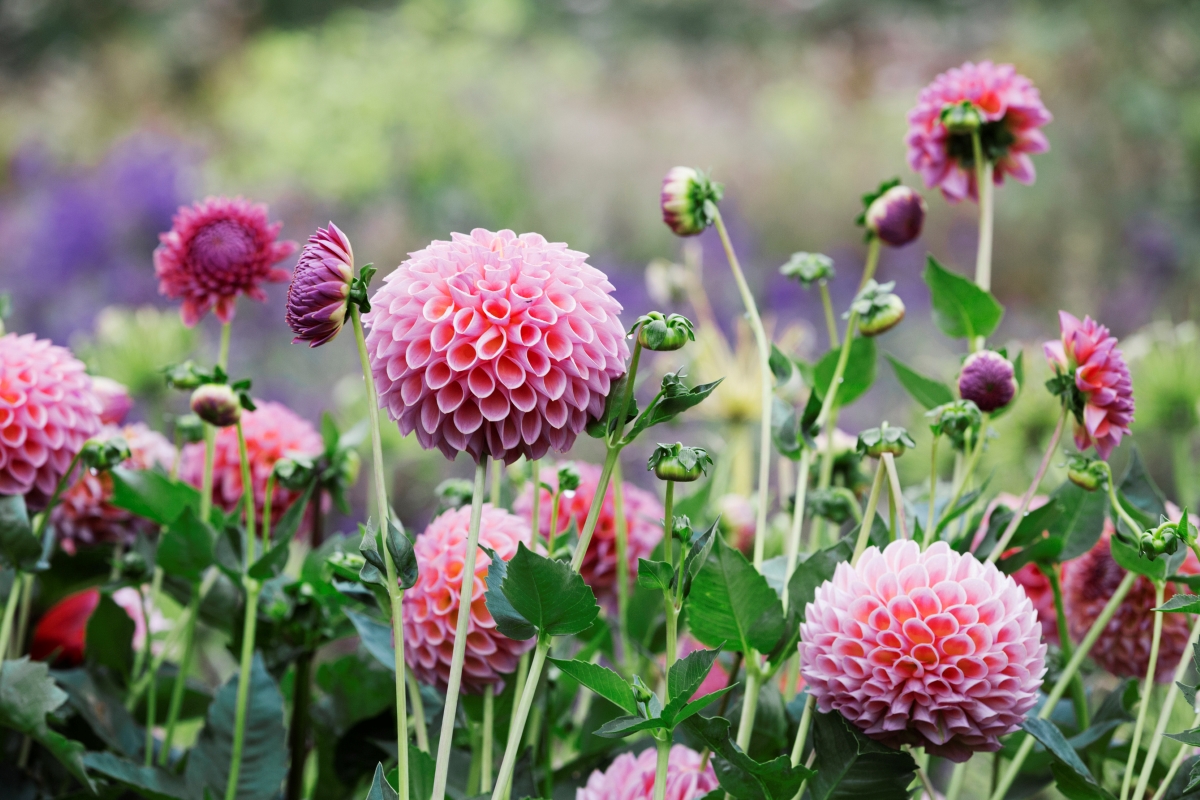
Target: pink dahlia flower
{"type": "Point", "coordinates": [431, 606]}
{"type": "Point", "coordinates": [48, 409]}
{"type": "Point", "coordinates": [115, 402]}
{"type": "Point", "coordinates": [1102, 378]}
{"type": "Point", "coordinates": [318, 296]}
{"type": "Point", "coordinates": [495, 344]}
{"type": "Point", "coordinates": [643, 519]}
{"type": "Point", "coordinates": [1012, 116]}
{"type": "Point", "coordinates": [272, 432]}
{"type": "Point", "coordinates": [85, 514]}
{"type": "Point", "coordinates": [930, 648]}
{"type": "Point", "coordinates": [1124, 646]}
{"type": "Point", "coordinates": [631, 777]}
{"type": "Point", "coordinates": [216, 250]}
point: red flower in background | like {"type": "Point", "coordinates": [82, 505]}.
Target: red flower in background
{"type": "Point", "coordinates": [61, 633]}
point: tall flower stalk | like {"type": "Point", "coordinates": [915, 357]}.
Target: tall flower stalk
{"type": "Point", "coordinates": [1147, 691]}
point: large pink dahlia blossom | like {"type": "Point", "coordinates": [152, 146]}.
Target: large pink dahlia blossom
{"type": "Point", "coordinates": [495, 344]}
{"type": "Point", "coordinates": [273, 431]}
{"type": "Point", "coordinates": [85, 514]}
{"type": "Point", "coordinates": [216, 250]}
{"type": "Point", "coordinates": [631, 777]}
{"type": "Point", "coordinates": [930, 648]}
{"type": "Point", "coordinates": [431, 606]}
{"type": "Point", "coordinates": [1012, 116]}
{"type": "Point", "coordinates": [48, 409]}
{"type": "Point", "coordinates": [1102, 378]}
{"type": "Point", "coordinates": [643, 519]}
{"type": "Point", "coordinates": [318, 296]}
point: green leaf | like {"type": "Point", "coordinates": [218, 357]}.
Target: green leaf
{"type": "Point", "coordinates": [1074, 786]}
{"type": "Point", "coordinates": [27, 695]}
{"type": "Point", "coordinates": [152, 495]}
{"type": "Point", "coordinates": [859, 374]}
{"type": "Point", "coordinates": [1187, 603]}
{"type": "Point", "coordinates": [616, 393]}
{"type": "Point", "coordinates": [678, 710]}
{"type": "Point", "coordinates": [732, 605]}
{"type": "Point", "coordinates": [375, 570]}
{"type": "Point", "coordinates": [851, 766]}
{"type": "Point", "coordinates": [274, 560]}
{"type": "Point", "coordinates": [548, 593]}
{"type": "Point", "coordinates": [686, 674]}
{"type": "Point", "coordinates": [810, 573]}
{"type": "Point", "coordinates": [1052, 739]}
{"type": "Point", "coordinates": [376, 637]}
{"type": "Point", "coordinates": [380, 788]}
{"type": "Point", "coordinates": [741, 776]}
{"type": "Point", "coordinates": [781, 366]}
{"type": "Point", "coordinates": [264, 748]}
{"type": "Point", "coordinates": [103, 710]}
{"type": "Point", "coordinates": [601, 680]}
{"type": "Point", "coordinates": [1184, 785]}
{"type": "Point", "coordinates": [702, 545]}
{"type": "Point", "coordinates": [403, 557]}
{"type": "Point", "coordinates": [109, 639]}
{"type": "Point", "coordinates": [1140, 490]}
{"type": "Point", "coordinates": [420, 774]}
{"type": "Point", "coordinates": [1081, 521]}
{"type": "Point", "coordinates": [621, 727]}
{"type": "Point", "coordinates": [785, 429]}
{"type": "Point", "coordinates": [655, 574]}
{"type": "Point", "coordinates": [667, 408]}
{"type": "Point", "coordinates": [186, 548]}
{"type": "Point", "coordinates": [961, 309]}
{"type": "Point", "coordinates": [508, 621]}
{"type": "Point", "coordinates": [1036, 522]}
{"type": "Point", "coordinates": [152, 782]}
{"type": "Point", "coordinates": [18, 546]}
{"type": "Point", "coordinates": [926, 391]}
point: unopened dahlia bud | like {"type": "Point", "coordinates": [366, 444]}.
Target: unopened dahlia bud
{"type": "Point", "coordinates": [987, 379]}
{"type": "Point", "coordinates": [878, 309]}
{"type": "Point", "coordinates": [896, 216]}
{"type": "Point", "coordinates": [1167, 537]}
{"type": "Point", "coordinates": [689, 200]}
{"type": "Point", "coordinates": [961, 117]}
{"type": "Point", "coordinates": [568, 477]}
{"type": "Point", "coordinates": [664, 333]}
{"type": "Point", "coordinates": [189, 428]}
{"type": "Point", "coordinates": [808, 268]}
{"type": "Point", "coordinates": [875, 442]}
{"type": "Point", "coordinates": [318, 296]}
{"type": "Point", "coordinates": [103, 454]}
{"type": "Point", "coordinates": [1086, 473]}
{"type": "Point", "coordinates": [956, 420]}
{"type": "Point", "coordinates": [185, 376]}
{"type": "Point", "coordinates": [674, 462]}
{"type": "Point", "coordinates": [115, 402]}
{"type": "Point", "coordinates": [217, 404]}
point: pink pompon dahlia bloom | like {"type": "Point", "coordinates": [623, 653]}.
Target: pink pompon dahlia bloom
{"type": "Point", "coordinates": [930, 648]}
{"type": "Point", "coordinates": [85, 514]}
{"type": "Point", "coordinates": [495, 344]}
{"type": "Point", "coordinates": [431, 606]}
{"type": "Point", "coordinates": [272, 432]}
{"type": "Point", "coordinates": [1087, 351]}
{"type": "Point", "coordinates": [115, 402]}
{"type": "Point", "coordinates": [1011, 114]}
{"type": "Point", "coordinates": [48, 409]}
{"type": "Point", "coordinates": [1124, 646]}
{"type": "Point", "coordinates": [643, 520]}
{"type": "Point", "coordinates": [318, 296]}
{"type": "Point", "coordinates": [216, 250]}
{"type": "Point", "coordinates": [631, 777]}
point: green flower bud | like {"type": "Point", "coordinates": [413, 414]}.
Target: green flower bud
{"type": "Point", "coordinates": [961, 117]}
{"type": "Point", "coordinates": [663, 334]}
{"type": "Point", "coordinates": [641, 692]}
{"type": "Point", "coordinates": [674, 462]}
{"type": "Point", "coordinates": [189, 428]}
{"type": "Point", "coordinates": [1086, 473]}
{"type": "Point", "coordinates": [102, 455]}
{"type": "Point", "coordinates": [186, 376]}
{"type": "Point", "coordinates": [878, 309]}
{"type": "Point", "coordinates": [875, 442]}
{"type": "Point", "coordinates": [955, 420]}
{"type": "Point", "coordinates": [454, 492]}
{"type": "Point", "coordinates": [568, 478]}
{"type": "Point", "coordinates": [294, 473]}
{"type": "Point", "coordinates": [1167, 537]}
{"type": "Point", "coordinates": [808, 268]}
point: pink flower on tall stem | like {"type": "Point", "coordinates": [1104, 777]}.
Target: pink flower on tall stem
{"type": "Point", "coordinates": [216, 250]}
{"type": "Point", "coordinates": [631, 777]}
{"type": "Point", "coordinates": [318, 296]}
{"type": "Point", "coordinates": [1011, 114]}
{"type": "Point", "coordinates": [1087, 351]}
{"type": "Point", "coordinates": [495, 344]}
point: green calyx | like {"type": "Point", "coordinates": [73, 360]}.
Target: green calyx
{"type": "Point", "coordinates": [808, 268]}
{"type": "Point", "coordinates": [961, 117]}
{"type": "Point", "coordinates": [1087, 473]}
{"type": "Point", "coordinates": [359, 287]}
{"type": "Point", "coordinates": [1167, 537]}
{"type": "Point", "coordinates": [955, 421]}
{"type": "Point", "coordinates": [568, 478]}
{"type": "Point", "coordinates": [674, 462]}
{"type": "Point", "coordinates": [875, 442]}
{"type": "Point", "coordinates": [878, 309]}
{"type": "Point", "coordinates": [103, 455]}
{"type": "Point", "coordinates": [662, 333]}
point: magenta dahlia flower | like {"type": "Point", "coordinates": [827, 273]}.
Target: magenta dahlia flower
{"type": "Point", "coordinates": [272, 432]}
{"type": "Point", "coordinates": [48, 409]}
{"type": "Point", "coordinates": [85, 514]}
{"type": "Point", "coordinates": [631, 777]}
{"type": "Point", "coordinates": [495, 344]}
{"type": "Point", "coordinates": [1087, 351]}
{"type": "Point", "coordinates": [431, 606]}
{"type": "Point", "coordinates": [318, 296]}
{"type": "Point", "coordinates": [216, 250]}
{"type": "Point", "coordinates": [987, 380]}
{"type": "Point", "coordinates": [1011, 114]}
{"type": "Point", "coordinates": [643, 519]}
{"type": "Point", "coordinates": [115, 402]}
{"type": "Point", "coordinates": [930, 648]}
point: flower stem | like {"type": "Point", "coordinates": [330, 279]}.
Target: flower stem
{"type": "Point", "coordinates": [749, 702]}
{"type": "Point", "coordinates": [793, 543]}
{"type": "Point", "coordinates": [1164, 716]}
{"type": "Point", "coordinates": [1002, 545]}
{"type": "Point", "coordinates": [418, 711]}
{"type": "Point", "coordinates": [1078, 694]}
{"type": "Point", "coordinates": [830, 319]}
{"type": "Point", "coordinates": [551, 542]}
{"type": "Point", "coordinates": [802, 732]}
{"type": "Point", "coordinates": [868, 520]}
{"type": "Point", "coordinates": [151, 712]}
{"type": "Point", "coordinates": [298, 729]}
{"type": "Point", "coordinates": [249, 547]}
{"type": "Point", "coordinates": [983, 183]}
{"type": "Point", "coordinates": [514, 732]}
{"type": "Point", "coordinates": [589, 524]}
{"type": "Point", "coordinates": [895, 497]}
{"type": "Point", "coordinates": [489, 727]}
{"type": "Point", "coordinates": [660, 767]}
{"type": "Point", "coordinates": [669, 551]}
{"type": "Point", "coordinates": [930, 521]}
{"type": "Point", "coordinates": [1147, 689]}
{"type": "Point", "coordinates": [622, 526]}
{"type": "Point", "coordinates": [10, 609]}
{"type": "Point", "coordinates": [1060, 688]}
{"type": "Point", "coordinates": [246, 665]}
{"type": "Point", "coordinates": [957, 778]}
{"type": "Point", "coordinates": [185, 664]}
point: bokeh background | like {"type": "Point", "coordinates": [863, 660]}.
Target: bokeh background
{"type": "Point", "coordinates": [405, 121]}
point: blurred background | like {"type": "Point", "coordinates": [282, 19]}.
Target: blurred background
{"type": "Point", "coordinates": [405, 121]}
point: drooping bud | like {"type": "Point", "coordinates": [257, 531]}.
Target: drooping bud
{"type": "Point", "coordinates": [1087, 473]}
{"type": "Point", "coordinates": [317, 298]}
{"type": "Point", "coordinates": [961, 117]}
{"type": "Point", "coordinates": [674, 462]}
{"type": "Point", "coordinates": [217, 404]}
{"type": "Point", "coordinates": [185, 376]}
{"type": "Point", "coordinates": [808, 268]}
{"type": "Point", "coordinates": [664, 333]}
{"type": "Point", "coordinates": [689, 200]}
{"type": "Point", "coordinates": [896, 216]}
{"type": "Point", "coordinates": [987, 379]}
{"type": "Point", "coordinates": [956, 420]}
{"type": "Point", "coordinates": [886, 438]}
{"type": "Point", "coordinates": [878, 309]}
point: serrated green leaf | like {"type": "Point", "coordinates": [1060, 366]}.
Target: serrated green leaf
{"type": "Point", "coordinates": [785, 429]}
{"type": "Point", "coordinates": [1081, 521]}
{"type": "Point", "coordinates": [859, 374]}
{"type": "Point", "coordinates": [508, 620]}
{"type": "Point", "coordinates": [27, 695]}
{"type": "Point", "coordinates": [380, 788]}
{"type": "Point", "coordinates": [782, 367]}
{"type": "Point", "coordinates": [376, 637]}
{"type": "Point", "coordinates": [1186, 603]}
{"type": "Point", "coordinates": [1131, 559]}
{"type": "Point", "coordinates": [928, 392]}
{"type": "Point", "coordinates": [548, 593]}
{"type": "Point", "coordinates": [185, 550]}
{"type": "Point", "coordinates": [961, 309]}
{"type": "Point", "coordinates": [685, 675]}
{"type": "Point", "coordinates": [152, 495]}
{"type": "Point", "coordinates": [850, 766]}
{"type": "Point", "coordinates": [741, 776]}
{"type": "Point", "coordinates": [601, 680]}
{"type": "Point", "coordinates": [621, 727]}
{"type": "Point", "coordinates": [109, 637]}
{"type": "Point", "coordinates": [1037, 522]}
{"type": "Point", "coordinates": [18, 546]}
{"type": "Point", "coordinates": [667, 408]}
{"type": "Point", "coordinates": [1052, 739]}
{"type": "Point", "coordinates": [680, 709]}
{"type": "Point", "coordinates": [654, 574]}
{"type": "Point", "coordinates": [103, 710]}
{"type": "Point", "coordinates": [732, 605]}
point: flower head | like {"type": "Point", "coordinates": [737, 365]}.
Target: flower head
{"type": "Point", "coordinates": [431, 606]}
{"type": "Point", "coordinates": [318, 296]}
{"type": "Point", "coordinates": [987, 380]}
{"type": "Point", "coordinates": [1029, 577]}
{"type": "Point", "coordinates": [631, 777]}
{"type": "Point", "coordinates": [1094, 381]}
{"type": "Point", "coordinates": [643, 515]}
{"type": "Point", "coordinates": [808, 268]}
{"type": "Point", "coordinates": [48, 409]}
{"type": "Point", "coordinates": [1010, 115]}
{"type": "Point", "coordinates": [686, 197]}
{"type": "Point", "coordinates": [926, 648]}
{"type": "Point", "coordinates": [895, 214]}
{"type": "Point", "coordinates": [495, 344]}
{"type": "Point", "coordinates": [115, 402]}
{"type": "Point", "coordinates": [216, 250]}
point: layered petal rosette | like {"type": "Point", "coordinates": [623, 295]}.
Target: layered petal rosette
{"type": "Point", "coordinates": [933, 649]}
{"type": "Point", "coordinates": [631, 777]}
{"type": "Point", "coordinates": [318, 296]}
{"type": "Point", "coordinates": [495, 344]}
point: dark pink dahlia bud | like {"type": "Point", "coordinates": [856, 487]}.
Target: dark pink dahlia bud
{"type": "Point", "coordinates": [216, 250]}
{"type": "Point", "coordinates": [318, 297]}
{"type": "Point", "coordinates": [630, 777]}
{"type": "Point", "coordinates": [686, 198]}
{"type": "Point", "coordinates": [932, 649]}
{"type": "Point", "coordinates": [987, 380]}
{"type": "Point", "coordinates": [896, 216]}
{"type": "Point", "coordinates": [495, 344]}
{"type": "Point", "coordinates": [217, 404]}
{"type": "Point", "coordinates": [115, 402]}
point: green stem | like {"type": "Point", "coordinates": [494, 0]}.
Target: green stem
{"type": "Point", "coordinates": [497, 478]}
{"type": "Point", "coordinates": [10, 609]}
{"type": "Point", "coordinates": [1002, 545]}
{"type": "Point", "coordinates": [298, 730]}
{"type": "Point", "coordinates": [266, 519]}
{"type": "Point", "coordinates": [551, 541]}
{"type": "Point", "coordinates": [802, 732]}
{"type": "Point", "coordinates": [589, 525]}
{"type": "Point", "coordinates": [623, 409]}
{"type": "Point", "coordinates": [1164, 716]}
{"type": "Point", "coordinates": [660, 767]}
{"type": "Point", "coordinates": [249, 556]}
{"type": "Point", "coordinates": [749, 703]}
{"type": "Point", "coordinates": [1078, 694]}
{"type": "Point", "coordinates": [868, 520]}
{"type": "Point", "coordinates": [930, 521]}
{"type": "Point", "coordinates": [895, 497]}
{"type": "Point", "coordinates": [245, 667]}
{"type": "Point", "coordinates": [1134, 527]}
{"type": "Point", "coordinates": [418, 711]}
{"type": "Point", "coordinates": [23, 612]}
{"type": "Point", "coordinates": [489, 726]}
{"type": "Point", "coordinates": [962, 477]}
{"type": "Point", "coordinates": [830, 318]}
{"type": "Point", "coordinates": [1181, 463]}
{"type": "Point", "coordinates": [669, 551]}
{"type": "Point", "coordinates": [185, 664]}
{"type": "Point", "coordinates": [151, 712]}
{"type": "Point", "coordinates": [792, 552]}
{"type": "Point", "coordinates": [983, 181]}
{"type": "Point", "coordinates": [535, 477]}
{"type": "Point", "coordinates": [622, 567]}
{"type": "Point", "coordinates": [957, 779]}
{"type": "Point", "coordinates": [1147, 689]}
{"type": "Point", "coordinates": [504, 778]}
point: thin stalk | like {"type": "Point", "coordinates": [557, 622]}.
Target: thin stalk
{"type": "Point", "coordinates": [185, 664]}
{"type": "Point", "coordinates": [1147, 689]}
{"type": "Point", "coordinates": [660, 767]}
{"type": "Point", "coordinates": [896, 496]}
{"type": "Point", "coordinates": [589, 525]}
{"type": "Point", "coordinates": [622, 525]}
{"type": "Point", "coordinates": [151, 712]}
{"type": "Point", "coordinates": [868, 520]}
{"type": "Point", "coordinates": [983, 182]}
{"type": "Point", "coordinates": [792, 548]}
{"type": "Point", "coordinates": [1119, 510]}
{"type": "Point", "coordinates": [1060, 688]}
{"type": "Point", "coordinates": [504, 778]}
{"type": "Point", "coordinates": [418, 711]}
{"type": "Point", "coordinates": [802, 732]}
{"type": "Point", "coordinates": [489, 727]}
{"type": "Point", "coordinates": [1164, 716]}
{"type": "Point", "coordinates": [926, 784]}
{"type": "Point", "coordinates": [669, 548]}
{"type": "Point", "coordinates": [1002, 545]}
{"type": "Point", "coordinates": [266, 519]}
{"type": "Point", "coordinates": [957, 778]}
{"type": "Point", "coordinates": [10, 609]}
{"type": "Point", "coordinates": [551, 541]}
{"type": "Point", "coordinates": [1078, 694]}
{"type": "Point", "coordinates": [962, 476]}
{"type": "Point", "coordinates": [245, 667]}
{"type": "Point", "coordinates": [145, 656]}
{"type": "Point", "coordinates": [930, 521]}
{"type": "Point", "coordinates": [831, 325]}
{"type": "Point", "coordinates": [23, 612]}
{"type": "Point", "coordinates": [749, 703]}
{"type": "Point", "coordinates": [535, 477]}
{"type": "Point", "coordinates": [497, 477]}
{"type": "Point", "coordinates": [298, 730]}
{"type": "Point", "coordinates": [1180, 757]}
{"type": "Point", "coordinates": [249, 546]}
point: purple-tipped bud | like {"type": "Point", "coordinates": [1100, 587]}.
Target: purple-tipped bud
{"type": "Point", "coordinates": [318, 297]}
{"type": "Point", "coordinates": [689, 200]}
{"type": "Point", "coordinates": [896, 216]}
{"type": "Point", "coordinates": [217, 404]}
{"type": "Point", "coordinates": [987, 380]}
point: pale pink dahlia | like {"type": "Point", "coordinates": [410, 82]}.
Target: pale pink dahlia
{"type": "Point", "coordinates": [84, 514]}
{"type": "Point", "coordinates": [1011, 113]}
{"type": "Point", "coordinates": [216, 250]}
{"type": "Point", "coordinates": [934, 649]}
{"type": "Point", "coordinates": [1102, 378]}
{"type": "Point", "coordinates": [495, 344]}
{"type": "Point", "coordinates": [272, 432]}
{"type": "Point", "coordinates": [431, 606]}
{"type": "Point", "coordinates": [48, 409]}
{"type": "Point", "coordinates": [643, 519]}
{"type": "Point", "coordinates": [318, 296]}
{"type": "Point", "coordinates": [631, 777]}
{"type": "Point", "coordinates": [115, 402]}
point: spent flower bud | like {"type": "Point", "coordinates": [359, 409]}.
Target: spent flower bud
{"type": "Point", "coordinates": [956, 420]}
{"type": "Point", "coordinates": [961, 117]}
{"type": "Point", "coordinates": [674, 462]}
{"type": "Point", "coordinates": [878, 309]}
{"type": "Point", "coordinates": [886, 438]}
{"type": "Point", "coordinates": [217, 404]}
{"type": "Point", "coordinates": [664, 333]}
{"type": "Point", "coordinates": [689, 200]}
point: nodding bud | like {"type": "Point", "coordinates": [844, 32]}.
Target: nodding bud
{"type": "Point", "coordinates": [988, 380]}
{"type": "Point", "coordinates": [674, 462]}
{"type": "Point", "coordinates": [875, 442]}
{"type": "Point", "coordinates": [896, 216]}
{"type": "Point", "coordinates": [878, 309]}
{"type": "Point", "coordinates": [185, 376]}
{"type": "Point", "coordinates": [189, 428]}
{"type": "Point", "coordinates": [568, 478]}
{"type": "Point", "coordinates": [689, 200]}
{"type": "Point", "coordinates": [1087, 473]}
{"type": "Point", "coordinates": [662, 333]}
{"type": "Point", "coordinates": [217, 404]}
{"type": "Point", "coordinates": [102, 455]}
{"type": "Point", "coordinates": [961, 117]}
{"type": "Point", "coordinates": [808, 268]}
